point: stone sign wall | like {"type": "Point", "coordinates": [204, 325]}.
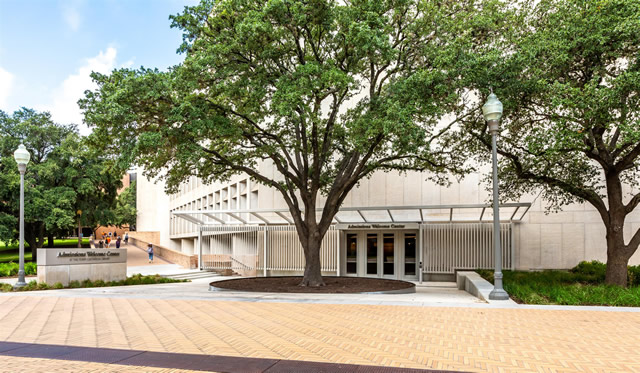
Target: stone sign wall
{"type": "Point", "coordinates": [66, 265]}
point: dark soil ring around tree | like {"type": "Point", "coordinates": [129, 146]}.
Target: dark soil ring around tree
{"type": "Point", "coordinates": [334, 285]}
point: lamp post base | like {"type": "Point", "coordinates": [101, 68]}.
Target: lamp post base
{"type": "Point", "coordinates": [21, 282]}
{"type": "Point", "coordinates": [498, 294]}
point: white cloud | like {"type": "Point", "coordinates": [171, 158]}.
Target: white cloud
{"type": "Point", "coordinates": [127, 64]}
{"type": "Point", "coordinates": [6, 83]}
{"type": "Point", "coordinates": [64, 107]}
{"type": "Point", "coordinates": [72, 18]}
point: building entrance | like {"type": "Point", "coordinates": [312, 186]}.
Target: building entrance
{"type": "Point", "coordinates": [385, 254]}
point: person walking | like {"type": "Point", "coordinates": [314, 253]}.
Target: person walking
{"type": "Point", "coordinates": [108, 241]}
{"type": "Point", "coordinates": [118, 243]}
{"type": "Point", "coordinates": [126, 238]}
{"type": "Point", "coordinates": [150, 252]}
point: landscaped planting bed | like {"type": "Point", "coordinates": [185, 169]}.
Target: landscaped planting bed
{"type": "Point", "coordinates": [582, 285]}
{"type": "Point", "coordinates": [136, 279]}
{"type": "Point", "coordinates": [291, 284]}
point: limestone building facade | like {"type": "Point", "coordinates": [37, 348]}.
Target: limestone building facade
{"type": "Point", "coordinates": [391, 225]}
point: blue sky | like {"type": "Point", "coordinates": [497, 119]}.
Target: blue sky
{"type": "Point", "coordinates": [49, 47]}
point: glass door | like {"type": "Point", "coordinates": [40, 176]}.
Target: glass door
{"type": "Point", "coordinates": [372, 254]}
{"type": "Point", "coordinates": [352, 254]}
{"type": "Point", "coordinates": [410, 259]}
{"type": "Point", "coordinates": [388, 254]}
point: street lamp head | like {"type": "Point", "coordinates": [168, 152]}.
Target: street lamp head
{"type": "Point", "coordinates": [21, 155]}
{"type": "Point", "coordinates": [492, 111]}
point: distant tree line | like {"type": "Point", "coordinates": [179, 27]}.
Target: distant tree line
{"type": "Point", "coordinates": [68, 183]}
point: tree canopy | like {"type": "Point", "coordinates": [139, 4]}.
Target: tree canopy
{"type": "Point", "coordinates": [568, 73]}
{"type": "Point", "coordinates": [64, 177]}
{"type": "Point", "coordinates": [125, 212]}
{"type": "Point", "coordinates": [327, 92]}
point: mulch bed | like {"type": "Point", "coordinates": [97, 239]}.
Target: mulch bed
{"type": "Point", "coordinates": [291, 284]}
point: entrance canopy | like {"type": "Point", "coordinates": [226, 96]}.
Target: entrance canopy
{"type": "Point", "coordinates": [470, 213]}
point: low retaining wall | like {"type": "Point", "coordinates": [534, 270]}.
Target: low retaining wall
{"type": "Point", "coordinates": [149, 237]}
{"type": "Point", "coordinates": [185, 260]}
{"type": "Point", "coordinates": [474, 284]}
{"type": "Point", "coordinates": [66, 265]}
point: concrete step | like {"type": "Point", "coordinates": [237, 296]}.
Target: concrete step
{"type": "Point", "coordinates": [192, 275]}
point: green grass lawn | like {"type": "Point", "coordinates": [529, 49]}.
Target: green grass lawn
{"type": "Point", "coordinates": [583, 285]}
{"type": "Point", "coordinates": [10, 253]}
{"type": "Point", "coordinates": [13, 256]}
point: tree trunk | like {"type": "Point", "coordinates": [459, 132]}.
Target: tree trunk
{"type": "Point", "coordinates": [40, 235]}
{"type": "Point", "coordinates": [617, 252]}
{"type": "Point", "coordinates": [79, 235]}
{"type": "Point", "coordinates": [30, 238]}
{"type": "Point", "coordinates": [617, 255]}
{"type": "Point", "coordinates": [50, 240]}
{"type": "Point", "coordinates": [616, 268]}
{"type": "Point", "coordinates": [311, 245]}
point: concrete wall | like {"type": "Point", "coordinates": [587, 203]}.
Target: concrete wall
{"type": "Point", "coordinates": [110, 266]}
{"type": "Point", "coordinates": [176, 257]}
{"type": "Point", "coordinates": [152, 202]}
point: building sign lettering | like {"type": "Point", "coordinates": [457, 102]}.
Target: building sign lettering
{"type": "Point", "coordinates": [70, 254]}
{"type": "Point", "coordinates": [378, 226]}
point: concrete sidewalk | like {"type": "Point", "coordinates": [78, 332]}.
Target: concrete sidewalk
{"type": "Point", "coordinates": [444, 294]}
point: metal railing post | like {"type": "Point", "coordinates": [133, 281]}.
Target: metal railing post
{"type": "Point", "coordinates": [200, 264]}
{"type": "Point", "coordinates": [266, 244]}
{"type": "Point", "coordinates": [339, 236]}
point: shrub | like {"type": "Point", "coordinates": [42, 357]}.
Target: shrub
{"type": "Point", "coordinates": [8, 269]}
{"type": "Point", "coordinates": [32, 285]}
{"type": "Point", "coordinates": [58, 285]}
{"type": "Point", "coordinates": [11, 269]}
{"type": "Point", "coordinates": [74, 284]}
{"type": "Point", "coordinates": [595, 272]}
{"type": "Point", "coordinates": [30, 268]}
{"type": "Point", "coordinates": [634, 275]}
{"type": "Point", "coordinates": [592, 268]}
{"type": "Point", "coordinates": [6, 287]}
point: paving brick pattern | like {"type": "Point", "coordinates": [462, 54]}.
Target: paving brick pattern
{"type": "Point", "coordinates": [462, 339]}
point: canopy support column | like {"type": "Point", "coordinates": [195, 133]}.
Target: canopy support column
{"type": "Point", "coordinates": [200, 264]}
{"type": "Point", "coordinates": [420, 253]}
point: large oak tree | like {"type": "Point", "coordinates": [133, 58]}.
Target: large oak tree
{"type": "Point", "coordinates": [328, 92]}
{"type": "Point", "coordinates": [568, 73]}
{"type": "Point", "coordinates": [67, 184]}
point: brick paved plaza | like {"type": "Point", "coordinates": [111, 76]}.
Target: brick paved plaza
{"type": "Point", "coordinates": [447, 338]}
